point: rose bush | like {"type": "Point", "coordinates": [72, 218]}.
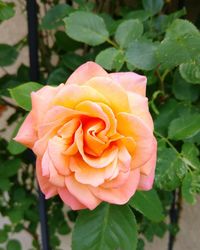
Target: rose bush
{"type": "Point", "coordinates": [108, 123]}
{"type": "Point", "coordinates": [93, 137]}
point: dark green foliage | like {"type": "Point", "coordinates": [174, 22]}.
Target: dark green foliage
{"type": "Point", "coordinates": [109, 226]}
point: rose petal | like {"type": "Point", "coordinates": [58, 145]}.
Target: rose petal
{"type": "Point", "coordinates": [139, 107]}
{"type": "Point", "coordinates": [142, 135]}
{"type": "Point", "coordinates": [56, 147]}
{"type": "Point", "coordinates": [56, 117]}
{"type": "Point", "coordinates": [27, 134]}
{"type": "Point", "coordinates": [124, 157]}
{"type": "Point", "coordinates": [85, 174]}
{"type": "Point", "coordinates": [53, 120]}
{"type": "Point", "coordinates": [146, 181]}
{"type": "Point", "coordinates": [131, 81]}
{"type": "Point", "coordinates": [112, 121]}
{"type": "Point", "coordinates": [85, 72]}
{"type": "Point", "coordinates": [106, 158]}
{"type": "Point", "coordinates": [73, 94]}
{"type": "Point", "coordinates": [69, 199]}
{"type": "Point", "coordinates": [93, 145]}
{"type": "Point", "coordinates": [124, 166]}
{"type": "Point", "coordinates": [118, 181]}
{"type": "Point", "coordinates": [129, 143]}
{"type": "Point", "coordinates": [114, 93]}
{"type": "Point", "coordinates": [49, 169]}
{"type": "Point", "coordinates": [42, 101]}
{"type": "Point", "coordinates": [46, 187]}
{"type": "Point", "coordinates": [119, 195]}
{"type": "Point", "coordinates": [100, 111]}
{"type": "Point", "coordinates": [82, 193]}
{"type": "Point", "coordinates": [69, 128]}
{"type": "Point", "coordinates": [146, 169]}
{"type": "Point", "coordinates": [40, 145]}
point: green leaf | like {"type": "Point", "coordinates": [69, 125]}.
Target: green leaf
{"type": "Point", "coordinates": [53, 17]}
{"type": "Point", "coordinates": [177, 14]}
{"type": "Point", "coordinates": [18, 227]}
{"type": "Point", "coordinates": [128, 31]}
{"type": "Point", "coordinates": [19, 195]}
{"type": "Point", "coordinates": [190, 153]}
{"type": "Point", "coordinates": [3, 236]}
{"type": "Point", "coordinates": [8, 55]}
{"type": "Point", "coordinates": [172, 52]}
{"type": "Point", "coordinates": [21, 94]}
{"type": "Point", "coordinates": [181, 44]}
{"type": "Point", "coordinates": [148, 203]}
{"type": "Point", "coordinates": [85, 5]}
{"type": "Point", "coordinates": [187, 190]}
{"type": "Point", "coordinates": [184, 91]}
{"type": "Point", "coordinates": [14, 147]}
{"type": "Point", "coordinates": [54, 241]}
{"type": "Point", "coordinates": [151, 229]}
{"type": "Point", "coordinates": [31, 214]}
{"type": "Point", "coordinates": [58, 76]}
{"type": "Point", "coordinates": [6, 10]}
{"type": "Point", "coordinates": [152, 79]}
{"type": "Point", "coordinates": [86, 27]}
{"type": "Point", "coordinates": [194, 139]}
{"type": "Point", "coordinates": [162, 22]}
{"type": "Point", "coordinates": [169, 169]}
{"type": "Point", "coordinates": [23, 73]}
{"type": "Point", "coordinates": [141, 54]}
{"type": "Point", "coordinates": [9, 168]}
{"type": "Point", "coordinates": [130, 67]}
{"type": "Point", "coordinates": [63, 228]}
{"type": "Point", "coordinates": [72, 61]}
{"type": "Point", "coordinates": [72, 215]}
{"type": "Point", "coordinates": [179, 28]}
{"type": "Point", "coordinates": [184, 127]}
{"type": "Point", "coordinates": [5, 184]}
{"type": "Point", "coordinates": [153, 6]}
{"type": "Point", "coordinates": [191, 71]}
{"type": "Point", "coordinates": [141, 244]}
{"type": "Point", "coordinates": [16, 215]}
{"type": "Point", "coordinates": [13, 245]}
{"type": "Point", "coordinates": [65, 43]}
{"type": "Point", "coordinates": [8, 83]}
{"type": "Point", "coordinates": [167, 113]}
{"type": "Point", "coordinates": [110, 58]}
{"type": "Point", "coordinates": [142, 15]}
{"type": "Point", "coordinates": [111, 24]}
{"type": "Point", "coordinates": [108, 227]}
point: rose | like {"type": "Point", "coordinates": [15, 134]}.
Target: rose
{"type": "Point", "coordinates": [93, 137]}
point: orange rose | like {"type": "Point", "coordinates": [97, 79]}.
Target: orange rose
{"type": "Point", "coordinates": [93, 137]}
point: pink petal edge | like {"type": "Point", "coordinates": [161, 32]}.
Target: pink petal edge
{"type": "Point", "coordinates": [131, 81]}
{"type": "Point", "coordinates": [85, 72]}
{"type": "Point", "coordinates": [146, 181]}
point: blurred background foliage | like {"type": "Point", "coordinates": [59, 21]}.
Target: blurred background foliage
{"type": "Point", "coordinates": [150, 37]}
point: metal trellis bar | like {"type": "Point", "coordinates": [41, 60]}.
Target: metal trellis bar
{"type": "Point", "coordinates": [32, 10]}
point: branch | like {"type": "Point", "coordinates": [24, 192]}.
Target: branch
{"type": "Point", "coordinates": [7, 103]}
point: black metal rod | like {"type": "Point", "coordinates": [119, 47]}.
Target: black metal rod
{"type": "Point", "coordinates": [174, 217]}
{"type": "Point", "coordinates": [32, 10]}
{"type": "Point", "coordinates": [43, 220]}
